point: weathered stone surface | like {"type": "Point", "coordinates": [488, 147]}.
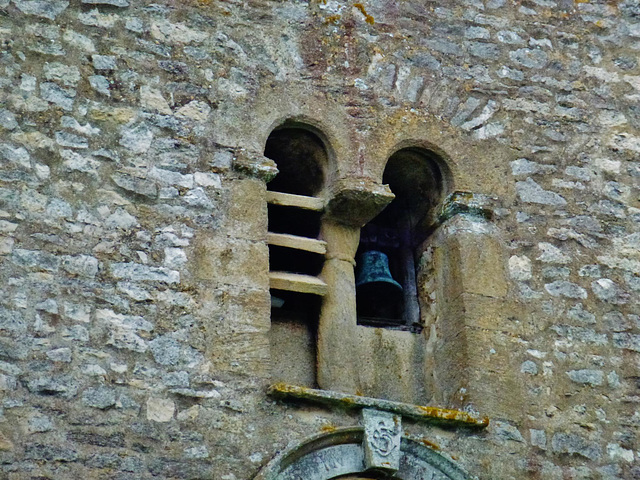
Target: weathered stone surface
{"type": "Point", "coordinates": [136, 138]}
{"type": "Point", "coordinates": [552, 254]}
{"type": "Point", "coordinates": [139, 272]}
{"type": "Point", "coordinates": [134, 184]}
{"type": "Point", "coordinates": [136, 334]}
{"type": "Point", "coordinates": [627, 340]}
{"type": "Point", "coordinates": [504, 431]}
{"type": "Point", "coordinates": [60, 355]}
{"type": "Point", "coordinates": [48, 9]}
{"type": "Point", "coordinates": [50, 453]}
{"type": "Point", "coordinates": [606, 290]}
{"type": "Point", "coordinates": [529, 367]}
{"type": "Point", "coordinates": [565, 289]}
{"type": "Point", "coordinates": [62, 97]}
{"type": "Point", "coordinates": [81, 265]}
{"type": "Point", "coordinates": [100, 84]}
{"type": "Point", "coordinates": [160, 409]}
{"type": "Point", "coordinates": [575, 444]}
{"type": "Point", "coordinates": [101, 397]}
{"type": "Point", "coordinates": [530, 192]}
{"type": "Point", "coordinates": [538, 438]}
{"type": "Point", "coordinates": [62, 385]}
{"type": "Point", "coordinates": [115, 3]}
{"type": "Point", "coordinates": [8, 119]}
{"type": "Point", "coordinates": [590, 377]}
{"type": "Point", "coordinates": [152, 100]}
{"type": "Point", "coordinates": [61, 73]}
{"type": "Point", "coordinates": [39, 424]}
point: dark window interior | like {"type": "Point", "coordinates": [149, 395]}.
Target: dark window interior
{"type": "Point", "coordinates": [288, 306]}
{"type": "Point", "coordinates": [301, 160]}
{"type": "Point", "coordinates": [284, 259]}
{"type": "Point", "coordinates": [295, 221]}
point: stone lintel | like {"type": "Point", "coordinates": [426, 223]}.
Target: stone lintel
{"type": "Point", "coordinates": [356, 201]}
{"type": "Point", "coordinates": [433, 415]}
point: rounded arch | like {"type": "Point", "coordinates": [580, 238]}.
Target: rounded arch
{"type": "Point", "coordinates": [432, 154]}
{"type": "Point", "coordinates": [420, 180]}
{"type": "Point", "coordinates": [304, 122]}
{"type": "Point", "coordinates": [302, 139]}
{"type": "Point", "coordinates": [340, 454]}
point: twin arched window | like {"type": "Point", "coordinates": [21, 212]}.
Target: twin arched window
{"type": "Point", "coordinates": [384, 282]}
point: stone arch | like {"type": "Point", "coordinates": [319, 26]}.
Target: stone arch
{"type": "Point", "coordinates": [340, 453]}
{"type": "Point", "coordinates": [315, 129]}
{"type": "Point", "coordinates": [406, 130]}
{"type": "Point", "coordinates": [432, 154]}
{"type": "Point", "coordinates": [419, 176]}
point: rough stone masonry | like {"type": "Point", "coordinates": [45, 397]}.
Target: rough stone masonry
{"type": "Point", "coordinates": [134, 290]}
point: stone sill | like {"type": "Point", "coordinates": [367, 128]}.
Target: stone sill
{"type": "Point", "coordinates": [431, 415]}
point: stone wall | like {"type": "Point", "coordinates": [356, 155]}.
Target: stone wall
{"type": "Point", "coordinates": [134, 308]}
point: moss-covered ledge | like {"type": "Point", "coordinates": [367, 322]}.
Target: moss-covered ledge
{"type": "Point", "coordinates": [468, 203]}
{"type": "Point", "coordinates": [432, 415]}
{"type": "Point", "coordinates": [254, 164]}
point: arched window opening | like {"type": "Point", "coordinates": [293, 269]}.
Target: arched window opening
{"type": "Point", "coordinates": [301, 159]}
{"type": "Point", "coordinates": [386, 290]}
{"type": "Point", "coordinates": [296, 255]}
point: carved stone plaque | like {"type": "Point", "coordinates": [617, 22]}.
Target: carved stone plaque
{"type": "Point", "coordinates": [382, 435]}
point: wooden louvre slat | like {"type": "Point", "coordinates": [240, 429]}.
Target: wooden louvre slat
{"type": "Point", "coordinates": [300, 201]}
{"type": "Point", "coordinates": [299, 243]}
{"type": "Point", "coordinates": [295, 282]}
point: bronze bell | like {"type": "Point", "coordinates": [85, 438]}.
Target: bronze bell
{"type": "Point", "coordinates": [374, 268]}
{"type": "Point", "coordinates": [378, 294]}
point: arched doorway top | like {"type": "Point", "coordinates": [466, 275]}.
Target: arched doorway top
{"type": "Point", "coordinates": [341, 454]}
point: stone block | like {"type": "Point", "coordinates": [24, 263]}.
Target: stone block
{"type": "Point", "coordinates": [487, 313]}
{"type": "Point", "coordinates": [231, 261]}
{"type": "Point", "coordinates": [101, 397]}
{"type": "Point", "coordinates": [293, 353]}
{"type": "Point", "coordinates": [139, 272]}
{"type": "Point", "coordinates": [160, 409]}
{"type": "Point", "coordinates": [356, 201]}
{"type": "Point", "coordinates": [482, 265]}
{"type": "Point", "coordinates": [382, 436]}
{"type": "Point", "coordinates": [390, 364]}
{"type": "Point", "coordinates": [572, 444]}
{"type": "Point", "coordinates": [247, 214]}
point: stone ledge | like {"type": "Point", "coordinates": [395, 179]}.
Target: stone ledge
{"type": "Point", "coordinates": [467, 203]}
{"type": "Point", "coordinates": [254, 164]}
{"type": "Point", "coordinates": [432, 415]}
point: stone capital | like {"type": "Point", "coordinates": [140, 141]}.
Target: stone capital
{"type": "Point", "coordinates": [355, 201]}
